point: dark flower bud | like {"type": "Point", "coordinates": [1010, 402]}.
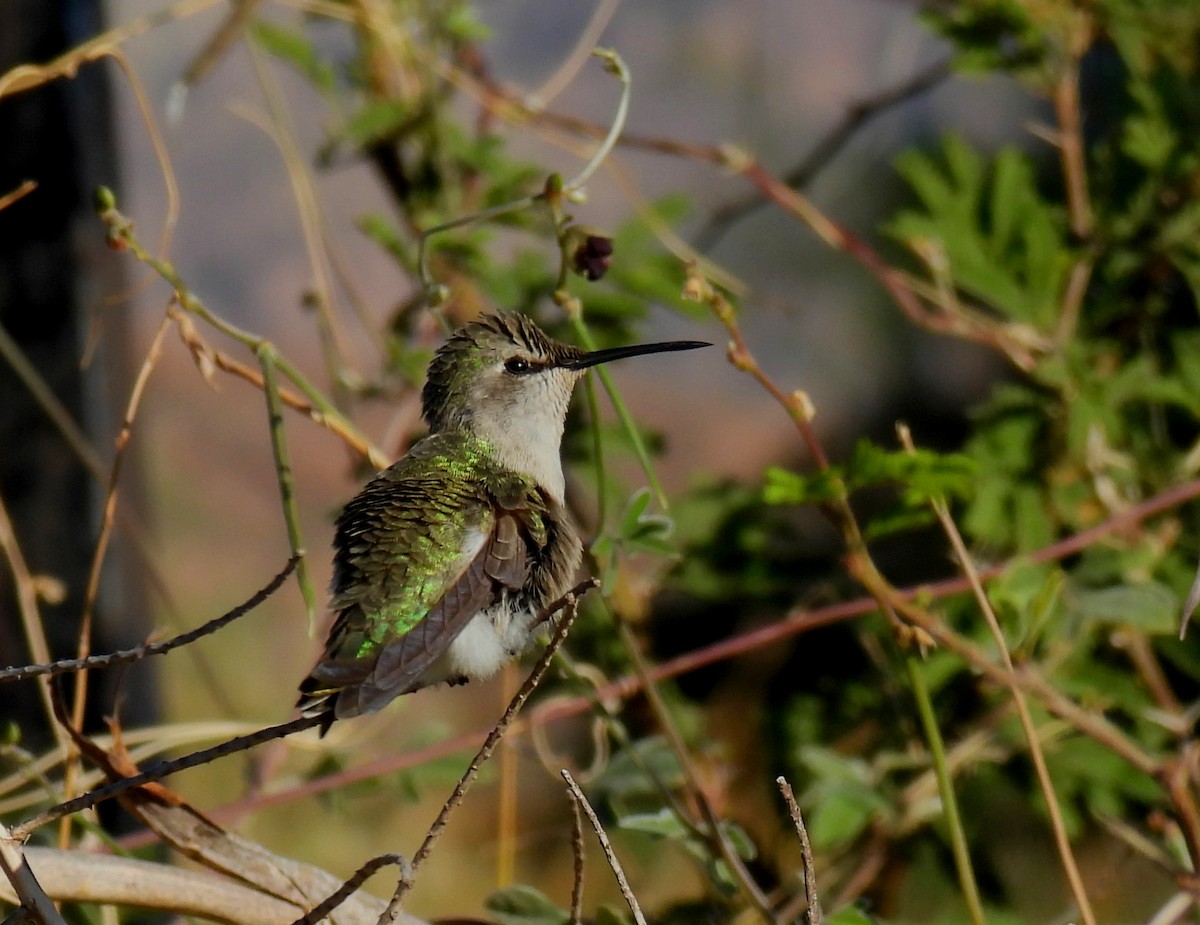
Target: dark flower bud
{"type": "Point", "coordinates": [588, 250]}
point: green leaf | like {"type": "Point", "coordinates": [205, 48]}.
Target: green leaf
{"type": "Point", "coordinates": [523, 905]}
{"type": "Point", "coordinates": [664, 824]}
{"type": "Point", "coordinates": [376, 120]}
{"type": "Point", "coordinates": [297, 50]}
{"type": "Point", "coordinates": [1002, 243]}
{"type": "Point", "coordinates": [612, 915]}
{"type": "Point", "coordinates": [850, 915]}
{"type": "Point", "coordinates": [1150, 607]}
{"type": "Point", "coordinates": [784, 487]}
{"type": "Point", "coordinates": [739, 838]}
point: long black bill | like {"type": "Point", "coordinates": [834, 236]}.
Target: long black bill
{"type": "Point", "coordinates": [632, 350]}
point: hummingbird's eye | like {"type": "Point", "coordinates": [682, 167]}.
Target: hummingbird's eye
{"type": "Point", "coordinates": [518, 366]}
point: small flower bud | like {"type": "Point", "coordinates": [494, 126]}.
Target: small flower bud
{"type": "Point", "coordinates": [588, 250]}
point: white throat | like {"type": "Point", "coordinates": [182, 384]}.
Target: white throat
{"type": "Point", "coordinates": [526, 435]}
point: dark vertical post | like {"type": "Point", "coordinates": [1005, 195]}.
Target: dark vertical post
{"type": "Point", "coordinates": [54, 271]}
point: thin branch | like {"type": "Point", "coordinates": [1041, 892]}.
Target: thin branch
{"type": "Point", "coordinates": [87, 877]}
{"type": "Point", "coordinates": [945, 782]}
{"type": "Point", "coordinates": [161, 769]}
{"type": "Point", "coordinates": [856, 116]}
{"type": "Point", "coordinates": [580, 800]}
{"type": "Point", "coordinates": [138, 653]}
{"type": "Point", "coordinates": [569, 604]}
{"type": "Point", "coordinates": [577, 57]}
{"type": "Point", "coordinates": [27, 606]}
{"type": "Point", "coordinates": [813, 911]}
{"type": "Point", "coordinates": [206, 357]}
{"type": "Point", "coordinates": [222, 39]}
{"type": "Point", "coordinates": [23, 189]}
{"type": "Point", "coordinates": [577, 854]}
{"type": "Point", "coordinates": [612, 63]}
{"type": "Point", "coordinates": [25, 884]}
{"type": "Point", "coordinates": [121, 236]}
{"type": "Point", "coordinates": [1058, 826]}
{"type": "Point", "coordinates": [107, 521]}
{"type": "Point", "coordinates": [285, 479]}
{"type": "Point", "coordinates": [352, 885]}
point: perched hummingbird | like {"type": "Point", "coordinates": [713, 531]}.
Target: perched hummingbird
{"type": "Point", "coordinates": [445, 562]}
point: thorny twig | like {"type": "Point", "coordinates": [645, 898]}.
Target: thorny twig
{"type": "Point", "coordinates": [813, 912]}
{"type": "Point", "coordinates": [569, 604]}
{"type": "Point", "coordinates": [581, 801]}
{"type": "Point", "coordinates": [577, 854]}
{"type": "Point", "coordinates": [352, 884]}
{"type": "Point", "coordinates": [24, 672]}
{"type": "Point", "coordinates": [161, 769]}
{"type": "Point", "coordinates": [30, 893]}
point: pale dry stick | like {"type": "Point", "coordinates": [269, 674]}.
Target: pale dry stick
{"type": "Point", "coordinates": [576, 58]}
{"type": "Point", "coordinates": [236, 20]}
{"type": "Point", "coordinates": [1058, 826]}
{"type": "Point", "coordinates": [30, 893]}
{"type": "Point", "coordinates": [580, 800]}
{"type": "Point", "coordinates": [569, 604]}
{"type": "Point", "coordinates": [86, 877]}
{"type": "Point", "coordinates": [31, 618]}
{"type": "Point", "coordinates": [1173, 910]}
{"type": "Point", "coordinates": [23, 189]}
{"type": "Point", "coordinates": [577, 854]}
{"type": "Point", "coordinates": [24, 672]}
{"type": "Point", "coordinates": [281, 130]}
{"type": "Point", "coordinates": [813, 912]}
{"type": "Point", "coordinates": [28, 76]}
{"type": "Point", "coordinates": [92, 588]}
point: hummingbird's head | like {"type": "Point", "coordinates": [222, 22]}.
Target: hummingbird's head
{"type": "Point", "coordinates": [505, 380]}
{"type": "Point", "coordinates": [501, 366]}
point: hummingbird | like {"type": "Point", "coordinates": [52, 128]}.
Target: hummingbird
{"type": "Point", "coordinates": [445, 563]}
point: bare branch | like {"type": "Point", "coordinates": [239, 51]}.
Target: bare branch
{"type": "Point", "coordinates": [356, 880]}
{"type": "Point", "coordinates": [80, 876]}
{"type": "Point", "coordinates": [138, 653]}
{"type": "Point", "coordinates": [581, 801]}
{"type": "Point", "coordinates": [162, 769]}
{"type": "Point", "coordinates": [569, 603]}
{"type": "Point", "coordinates": [813, 912]}
{"type": "Point", "coordinates": [25, 885]}
{"type": "Point", "coordinates": [856, 116]}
